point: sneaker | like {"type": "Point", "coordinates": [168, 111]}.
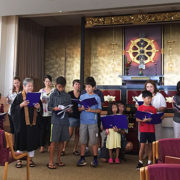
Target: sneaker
{"type": "Point", "coordinates": [94, 163]}
{"type": "Point", "coordinates": [110, 161]}
{"type": "Point", "coordinates": [140, 165]}
{"type": "Point", "coordinates": [81, 162]}
{"type": "Point", "coordinates": [117, 161]}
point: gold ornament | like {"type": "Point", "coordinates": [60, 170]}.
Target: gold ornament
{"type": "Point", "coordinates": [149, 50]}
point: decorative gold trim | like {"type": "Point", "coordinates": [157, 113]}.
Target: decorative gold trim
{"type": "Point", "coordinates": [132, 19]}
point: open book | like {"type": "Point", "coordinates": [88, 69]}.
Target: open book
{"type": "Point", "coordinates": [33, 98]}
{"type": "Point", "coordinates": [109, 121]}
{"type": "Point", "coordinates": [86, 102]}
{"type": "Point", "coordinates": [156, 118]}
{"type": "Point", "coordinates": [138, 102]}
{"type": "Point", "coordinates": [63, 110]}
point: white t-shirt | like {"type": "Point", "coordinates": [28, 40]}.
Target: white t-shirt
{"type": "Point", "coordinates": [157, 101]}
{"type": "Point", "coordinates": [11, 97]}
{"type": "Point", "coordinates": [45, 96]}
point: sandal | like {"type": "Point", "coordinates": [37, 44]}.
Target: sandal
{"type": "Point", "coordinates": [76, 153]}
{"type": "Point", "coordinates": [19, 164]}
{"type": "Point", "coordinates": [63, 153]}
{"type": "Point", "coordinates": [60, 164]}
{"type": "Point", "coordinates": [51, 166]}
{"type": "Point", "coordinates": [31, 164]}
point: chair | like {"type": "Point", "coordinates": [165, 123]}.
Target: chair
{"type": "Point", "coordinates": [165, 147]}
{"type": "Point", "coordinates": [9, 145]}
{"type": "Point", "coordinates": [160, 171]}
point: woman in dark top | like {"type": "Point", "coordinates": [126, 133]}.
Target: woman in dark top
{"type": "Point", "coordinates": [74, 117]}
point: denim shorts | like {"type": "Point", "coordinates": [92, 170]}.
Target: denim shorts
{"type": "Point", "coordinates": [74, 122]}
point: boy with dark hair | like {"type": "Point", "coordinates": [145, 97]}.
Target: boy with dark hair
{"type": "Point", "coordinates": [88, 123]}
{"type": "Point", "coordinates": [100, 94]}
{"type": "Point", "coordinates": [59, 124]}
{"type": "Point", "coordinates": [147, 131]}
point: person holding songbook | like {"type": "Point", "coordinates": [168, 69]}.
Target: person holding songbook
{"type": "Point", "coordinates": [25, 119]}
{"type": "Point", "coordinates": [100, 94]}
{"type": "Point", "coordinates": [88, 122]}
{"type": "Point", "coordinates": [176, 108]}
{"type": "Point", "coordinates": [74, 117]}
{"type": "Point", "coordinates": [113, 137]}
{"type": "Point", "coordinates": [147, 131]}
{"type": "Point", "coordinates": [45, 122]}
{"type": "Point", "coordinates": [124, 144]}
{"type": "Point", "coordinates": [59, 100]}
{"type": "Point", "coordinates": [158, 101]}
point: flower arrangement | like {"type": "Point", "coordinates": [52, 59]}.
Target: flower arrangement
{"type": "Point", "coordinates": [109, 98]}
{"type": "Point", "coordinates": [134, 98]}
{"type": "Point", "coordinates": [169, 99]}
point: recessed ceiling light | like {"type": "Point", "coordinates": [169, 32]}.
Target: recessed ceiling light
{"type": "Point", "coordinates": [60, 11]}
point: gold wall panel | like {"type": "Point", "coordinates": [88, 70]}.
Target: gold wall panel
{"type": "Point", "coordinates": [103, 54]}
{"type": "Point", "coordinates": [171, 62]}
{"type": "Point", "coordinates": [102, 61]}
{"type": "Point", "coordinates": [106, 55]}
{"type": "Point", "coordinates": [61, 42]}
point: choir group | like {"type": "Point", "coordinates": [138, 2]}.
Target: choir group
{"type": "Point", "coordinates": [52, 116]}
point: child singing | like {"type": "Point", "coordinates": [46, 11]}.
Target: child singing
{"type": "Point", "coordinates": [113, 138]}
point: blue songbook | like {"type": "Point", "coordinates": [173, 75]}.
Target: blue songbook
{"type": "Point", "coordinates": [120, 121]}
{"type": "Point", "coordinates": [86, 102]}
{"type": "Point", "coordinates": [176, 106]}
{"type": "Point", "coordinates": [33, 98]}
{"type": "Point", "coordinates": [156, 118]}
{"type": "Point", "coordinates": [139, 102]}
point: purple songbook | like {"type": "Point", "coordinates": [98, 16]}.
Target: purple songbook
{"type": "Point", "coordinates": [156, 118]}
{"type": "Point", "coordinates": [33, 98]}
{"type": "Point", "coordinates": [86, 102]}
{"type": "Point", "coordinates": [139, 102]}
{"type": "Point", "coordinates": [141, 115]}
{"type": "Point", "coordinates": [120, 121]}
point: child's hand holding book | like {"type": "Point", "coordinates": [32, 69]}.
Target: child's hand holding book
{"type": "Point", "coordinates": [56, 108]}
{"type": "Point", "coordinates": [24, 103]}
{"type": "Point", "coordinates": [115, 129]}
{"type": "Point", "coordinates": [88, 109]}
{"type": "Point", "coordinates": [147, 119]}
{"type": "Point", "coordinates": [82, 108]}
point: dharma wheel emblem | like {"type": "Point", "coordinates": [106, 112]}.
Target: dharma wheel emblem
{"type": "Point", "coordinates": [142, 49]}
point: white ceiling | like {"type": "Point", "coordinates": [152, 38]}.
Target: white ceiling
{"type": "Point", "coordinates": [28, 7]}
